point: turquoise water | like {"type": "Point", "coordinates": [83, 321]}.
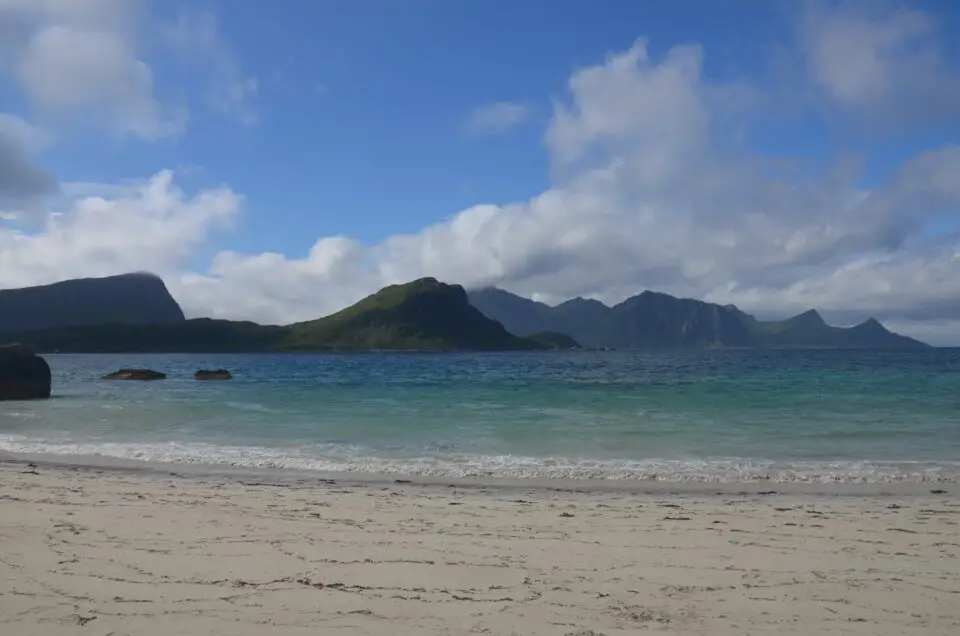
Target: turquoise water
{"type": "Point", "coordinates": [703, 416]}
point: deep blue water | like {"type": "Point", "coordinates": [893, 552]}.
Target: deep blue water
{"type": "Point", "coordinates": [716, 415]}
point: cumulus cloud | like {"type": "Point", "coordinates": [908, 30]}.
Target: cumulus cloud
{"type": "Point", "coordinates": [496, 118]}
{"type": "Point", "coordinates": [80, 60]}
{"type": "Point", "coordinates": [656, 203]}
{"type": "Point", "coordinates": [20, 179]}
{"type": "Point", "coordinates": [885, 65]}
{"type": "Point", "coordinates": [85, 62]}
{"type": "Point", "coordinates": [648, 192]}
{"type": "Point", "coordinates": [150, 226]}
{"type": "Point", "coordinates": [197, 37]}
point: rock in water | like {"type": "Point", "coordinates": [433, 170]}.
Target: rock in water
{"type": "Point", "coordinates": [216, 374]}
{"type": "Point", "coordinates": [23, 374]}
{"type": "Point", "coordinates": [135, 374]}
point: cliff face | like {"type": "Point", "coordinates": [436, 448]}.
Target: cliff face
{"type": "Point", "coordinates": [125, 299]}
{"type": "Point", "coordinates": [652, 320]}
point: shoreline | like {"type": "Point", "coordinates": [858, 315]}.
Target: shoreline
{"type": "Point", "coordinates": [305, 477]}
{"type": "Point", "coordinates": [153, 550]}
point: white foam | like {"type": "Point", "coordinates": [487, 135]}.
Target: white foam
{"type": "Point", "coordinates": [249, 406]}
{"type": "Point", "coordinates": [338, 458]}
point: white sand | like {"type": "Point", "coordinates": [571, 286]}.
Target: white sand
{"type": "Point", "coordinates": [147, 553]}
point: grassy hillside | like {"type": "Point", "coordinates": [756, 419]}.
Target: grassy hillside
{"type": "Point", "coordinates": [422, 315]}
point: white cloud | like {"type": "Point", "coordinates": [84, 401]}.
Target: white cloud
{"type": "Point", "coordinates": [885, 65]}
{"type": "Point", "coordinates": [20, 179]}
{"type": "Point", "coordinates": [21, 132]}
{"type": "Point", "coordinates": [631, 103]}
{"type": "Point", "coordinates": [69, 70]}
{"type": "Point", "coordinates": [496, 118]}
{"type": "Point", "coordinates": [87, 63]}
{"type": "Point", "coordinates": [112, 14]}
{"type": "Point", "coordinates": [79, 60]}
{"type": "Point", "coordinates": [153, 226]}
{"type": "Point", "coordinates": [649, 192]}
{"type": "Point", "coordinates": [231, 92]}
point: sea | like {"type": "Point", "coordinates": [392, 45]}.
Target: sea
{"type": "Point", "coordinates": [699, 416]}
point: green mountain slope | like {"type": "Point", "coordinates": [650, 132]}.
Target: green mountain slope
{"type": "Point", "coordinates": [421, 315]}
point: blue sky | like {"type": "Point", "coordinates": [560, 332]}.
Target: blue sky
{"type": "Point", "coordinates": [361, 105]}
{"type": "Point", "coordinates": [377, 118]}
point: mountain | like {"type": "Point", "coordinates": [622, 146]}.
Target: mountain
{"type": "Point", "coordinates": [526, 317]}
{"type": "Point", "coordinates": [135, 313]}
{"type": "Point", "coordinates": [518, 315]}
{"type": "Point", "coordinates": [422, 315]}
{"type": "Point", "coordinates": [654, 320]}
{"type": "Point", "coordinates": [124, 299]}
{"type": "Point", "coordinates": [869, 334]}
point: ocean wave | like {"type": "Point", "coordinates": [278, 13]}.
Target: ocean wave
{"type": "Point", "coordinates": [339, 459]}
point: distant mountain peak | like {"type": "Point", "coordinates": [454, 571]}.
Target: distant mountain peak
{"type": "Point", "coordinates": [422, 314]}
{"type": "Point", "coordinates": [426, 280]}
{"type": "Point", "coordinates": [872, 324]}
{"type": "Point", "coordinates": [809, 318]}
{"type": "Point", "coordinates": [653, 319]}
{"type": "Point", "coordinates": [582, 302]}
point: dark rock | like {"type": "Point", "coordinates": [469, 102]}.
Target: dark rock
{"type": "Point", "coordinates": [215, 374]}
{"type": "Point", "coordinates": [23, 374]}
{"type": "Point", "coordinates": [135, 374]}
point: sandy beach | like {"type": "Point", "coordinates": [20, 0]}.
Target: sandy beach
{"type": "Point", "coordinates": [116, 552]}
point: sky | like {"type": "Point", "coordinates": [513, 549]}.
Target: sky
{"type": "Point", "coordinates": [277, 161]}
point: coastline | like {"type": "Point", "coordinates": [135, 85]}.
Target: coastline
{"type": "Point", "coordinates": [622, 418]}
{"type": "Point", "coordinates": [152, 550]}
{"type": "Point", "coordinates": [304, 477]}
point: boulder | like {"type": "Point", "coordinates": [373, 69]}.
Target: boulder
{"type": "Point", "coordinates": [23, 374]}
{"type": "Point", "coordinates": [135, 374]}
{"type": "Point", "coordinates": [215, 374]}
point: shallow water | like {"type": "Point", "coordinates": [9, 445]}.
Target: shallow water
{"type": "Point", "coordinates": [694, 416]}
